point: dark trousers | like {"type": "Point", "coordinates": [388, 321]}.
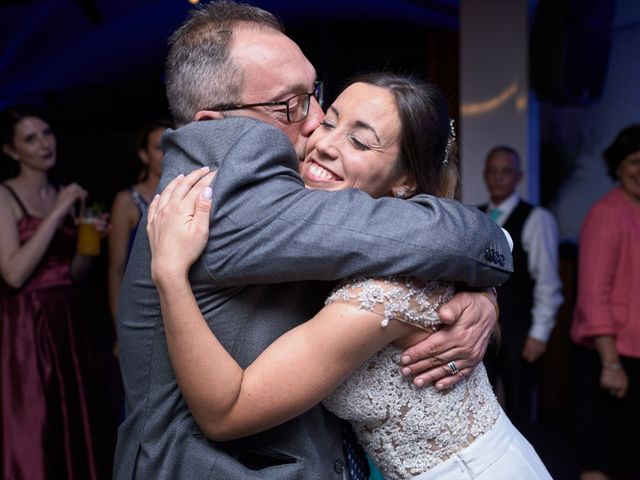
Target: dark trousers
{"type": "Point", "coordinates": [504, 363]}
{"type": "Point", "coordinates": [605, 428]}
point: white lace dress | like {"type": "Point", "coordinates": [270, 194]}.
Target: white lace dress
{"type": "Point", "coordinates": [407, 431]}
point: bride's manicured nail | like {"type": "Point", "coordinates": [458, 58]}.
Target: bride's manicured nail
{"type": "Point", "coordinates": [207, 193]}
{"type": "Point", "coordinates": [405, 359]}
{"type": "Point", "coordinates": [418, 382]}
{"type": "Point", "coordinates": [405, 371]}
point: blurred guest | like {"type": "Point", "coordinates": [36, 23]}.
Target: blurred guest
{"type": "Point", "coordinates": [606, 322]}
{"type": "Point", "coordinates": [129, 206]}
{"type": "Point", "coordinates": [45, 398]}
{"type": "Point", "coordinates": [530, 299]}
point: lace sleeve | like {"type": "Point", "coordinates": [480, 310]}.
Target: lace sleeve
{"type": "Point", "coordinates": [403, 299]}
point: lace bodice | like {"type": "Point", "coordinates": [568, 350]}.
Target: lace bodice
{"type": "Point", "coordinates": [405, 430]}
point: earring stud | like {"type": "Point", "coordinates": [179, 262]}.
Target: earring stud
{"type": "Point", "coordinates": [400, 194]}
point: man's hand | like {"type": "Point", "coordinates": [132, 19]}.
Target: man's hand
{"type": "Point", "coordinates": [533, 349]}
{"type": "Point", "coordinates": [470, 318]}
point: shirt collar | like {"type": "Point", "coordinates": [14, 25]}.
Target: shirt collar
{"type": "Point", "coordinates": [507, 205]}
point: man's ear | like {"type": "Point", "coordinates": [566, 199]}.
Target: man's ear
{"type": "Point", "coordinates": [208, 115]}
{"type": "Point", "coordinates": [9, 151]}
{"type": "Point", "coordinates": [405, 186]}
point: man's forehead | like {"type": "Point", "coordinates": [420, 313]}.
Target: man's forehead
{"type": "Point", "coordinates": [272, 62]}
{"type": "Point", "coordinates": [503, 160]}
{"type": "Point", "coordinates": [261, 45]}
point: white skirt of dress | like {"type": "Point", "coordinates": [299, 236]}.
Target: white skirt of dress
{"type": "Point", "coordinates": [500, 454]}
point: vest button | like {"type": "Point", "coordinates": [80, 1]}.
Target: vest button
{"type": "Point", "coordinates": [339, 466]}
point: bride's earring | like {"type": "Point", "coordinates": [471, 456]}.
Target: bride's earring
{"type": "Point", "coordinates": [400, 194]}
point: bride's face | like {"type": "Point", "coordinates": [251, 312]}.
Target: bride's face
{"type": "Point", "coordinates": [357, 145]}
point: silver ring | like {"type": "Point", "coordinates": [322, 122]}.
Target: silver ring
{"type": "Point", "coordinates": [452, 367]}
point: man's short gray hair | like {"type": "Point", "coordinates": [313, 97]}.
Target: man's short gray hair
{"type": "Point", "coordinates": [200, 71]}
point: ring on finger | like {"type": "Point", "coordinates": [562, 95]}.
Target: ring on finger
{"type": "Point", "coordinates": [453, 368]}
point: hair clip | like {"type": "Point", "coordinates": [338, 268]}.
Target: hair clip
{"type": "Point", "coordinates": [450, 140]}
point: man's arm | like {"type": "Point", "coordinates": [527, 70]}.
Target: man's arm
{"type": "Point", "coordinates": [470, 324]}
{"type": "Point", "coordinates": [267, 228]}
{"type": "Point", "coordinates": [540, 240]}
{"type": "Point", "coordinates": [471, 319]}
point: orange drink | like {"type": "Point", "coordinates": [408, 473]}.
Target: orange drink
{"type": "Point", "coordinates": [88, 237]}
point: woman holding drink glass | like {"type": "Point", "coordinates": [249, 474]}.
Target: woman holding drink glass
{"type": "Point", "coordinates": [44, 351]}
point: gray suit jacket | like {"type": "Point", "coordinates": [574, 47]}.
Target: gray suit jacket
{"type": "Point", "coordinates": [275, 250]}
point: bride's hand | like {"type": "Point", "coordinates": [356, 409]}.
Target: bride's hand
{"type": "Point", "coordinates": [178, 224]}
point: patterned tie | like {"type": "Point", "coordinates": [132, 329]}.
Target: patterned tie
{"type": "Point", "coordinates": [494, 213]}
{"type": "Point", "coordinates": [354, 456]}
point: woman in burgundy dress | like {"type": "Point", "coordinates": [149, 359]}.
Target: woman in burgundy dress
{"type": "Point", "coordinates": [44, 350]}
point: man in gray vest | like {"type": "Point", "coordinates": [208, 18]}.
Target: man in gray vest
{"type": "Point", "coordinates": [244, 97]}
{"type": "Point", "coordinates": [530, 299]}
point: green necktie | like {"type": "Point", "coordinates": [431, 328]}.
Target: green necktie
{"type": "Point", "coordinates": [494, 213]}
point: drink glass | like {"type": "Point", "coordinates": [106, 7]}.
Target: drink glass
{"type": "Point", "coordinates": [89, 237]}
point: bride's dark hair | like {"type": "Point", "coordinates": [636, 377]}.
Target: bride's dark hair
{"type": "Point", "coordinates": [426, 153]}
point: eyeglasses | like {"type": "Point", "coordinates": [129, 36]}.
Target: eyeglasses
{"type": "Point", "coordinates": [297, 107]}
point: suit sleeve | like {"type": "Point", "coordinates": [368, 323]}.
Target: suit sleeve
{"type": "Point", "coordinates": [540, 240]}
{"type": "Point", "coordinates": [267, 228]}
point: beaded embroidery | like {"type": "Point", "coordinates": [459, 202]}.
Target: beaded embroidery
{"type": "Point", "coordinates": [407, 431]}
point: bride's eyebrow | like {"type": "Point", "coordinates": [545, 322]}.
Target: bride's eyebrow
{"type": "Point", "coordinates": [366, 126]}
{"type": "Point", "coordinates": [358, 123]}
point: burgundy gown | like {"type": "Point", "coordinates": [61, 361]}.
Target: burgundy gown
{"type": "Point", "coordinates": [44, 355]}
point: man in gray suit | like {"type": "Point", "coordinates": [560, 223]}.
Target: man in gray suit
{"type": "Point", "coordinates": [274, 252]}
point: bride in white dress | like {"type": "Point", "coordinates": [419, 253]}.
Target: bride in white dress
{"type": "Point", "coordinates": [389, 136]}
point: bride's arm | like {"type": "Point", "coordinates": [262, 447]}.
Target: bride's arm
{"type": "Point", "coordinates": [293, 374]}
{"type": "Point", "coordinates": [297, 371]}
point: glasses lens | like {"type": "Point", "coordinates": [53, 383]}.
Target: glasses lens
{"type": "Point", "coordinates": [318, 93]}
{"type": "Point", "coordinates": [298, 107]}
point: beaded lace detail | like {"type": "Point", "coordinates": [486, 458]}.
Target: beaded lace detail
{"type": "Point", "coordinates": [405, 430]}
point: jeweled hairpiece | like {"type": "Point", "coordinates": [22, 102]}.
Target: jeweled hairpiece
{"type": "Point", "coordinates": [450, 140]}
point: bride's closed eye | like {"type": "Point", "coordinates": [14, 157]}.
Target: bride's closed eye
{"type": "Point", "coordinates": [327, 124]}
{"type": "Point", "coordinates": [359, 144]}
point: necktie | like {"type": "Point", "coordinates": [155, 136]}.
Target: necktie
{"type": "Point", "coordinates": [494, 213]}
{"type": "Point", "coordinates": [354, 456]}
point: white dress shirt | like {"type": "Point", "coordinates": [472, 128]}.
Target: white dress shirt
{"type": "Point", "coordinates": [539, 240]}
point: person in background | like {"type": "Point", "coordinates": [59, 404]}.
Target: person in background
{"type": "Point", "coordinates": [46, 376]}
{"type": "Point", "coordinates": [606, 322]}
{"type": "Point", "coordinates": [531, 297]}
{"type": "Point", "coordinates": [128, 207]}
